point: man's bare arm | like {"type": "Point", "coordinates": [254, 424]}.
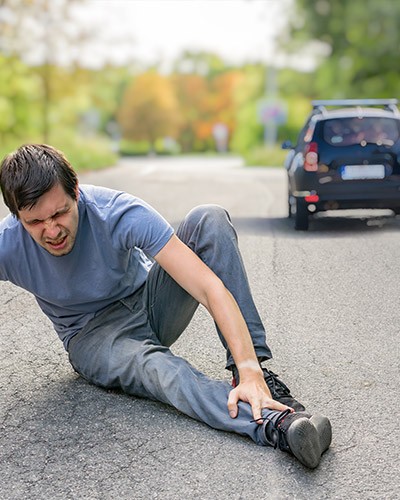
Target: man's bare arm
{"type": "Point", "coordinates": [196, 278]}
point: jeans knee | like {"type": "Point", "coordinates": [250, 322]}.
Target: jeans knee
{"type": "Point", "coordinates": [205, 226]}
{"type": "Point", "coordinates": [210, 213]}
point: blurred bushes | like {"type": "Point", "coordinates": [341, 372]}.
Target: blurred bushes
{"type": "Point", "coordinates": [265, 156]}
{"type": "Point", "coordinates": [87, 154]}
{"type": "Point", "coordinates": [83, 153]}
{"type": "Point", "coordinates": [88, 113]}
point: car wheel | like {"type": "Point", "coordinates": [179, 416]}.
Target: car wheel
{"type": "Point", "coordinates": [290, 211]}
{"type": "Point", "coordinates": [301, 221]}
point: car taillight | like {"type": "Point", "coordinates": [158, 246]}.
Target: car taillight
{"type": "Point", "coordinates": [311, 157]}
{"type": "Point", "coordinates": [312, 198]}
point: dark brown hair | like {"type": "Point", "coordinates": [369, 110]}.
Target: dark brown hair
{"type": "Point", "coordinates": [32, 170]}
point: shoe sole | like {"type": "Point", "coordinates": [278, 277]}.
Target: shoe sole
{"type": "Point", "coordinates": [308, 438]}
{"type": "Point", "coordinates": [324, 429]}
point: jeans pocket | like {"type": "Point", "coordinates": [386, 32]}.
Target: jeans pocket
{"type": "Point", "coordinates": [135, 301]}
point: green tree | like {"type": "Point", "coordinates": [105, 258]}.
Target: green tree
{"type": "Point", "coordinates": [248, 131]}
{"type": "Point", "coordinates": [201, 63]}
{"type": "Point", "coordinates": [19, 110]}
{"type": "Point", "coordinates": [37, 32]}
{"type": "Point", "coordinates": [363, 38]}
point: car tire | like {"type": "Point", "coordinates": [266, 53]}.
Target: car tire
{"type": "Point", "coordinates": [290, 211]}
{"type": "Point", "coordinates": [301, 220]}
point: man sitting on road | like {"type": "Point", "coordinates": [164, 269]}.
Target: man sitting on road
{"type": "Point", "coordinates": [120, 287]}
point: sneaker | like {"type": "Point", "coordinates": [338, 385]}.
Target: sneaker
{"type": "Point", "coordinates": [304, 436]}
{"type": "Point", "coordinates": [279, 390]}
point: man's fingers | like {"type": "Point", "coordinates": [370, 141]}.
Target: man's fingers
{"type": "Point", "coordinates": [275, 405]}
{"type": "Point", "coordinates": [256, 409]}
{"type": "Point", "coordinates": [260, 403]}
{"type": "Point", "coordinates": [232, 404]}
{"type": "Point", "coordinates": [257, 402]}
{"type": "Point", "coordinates": [270, 405]}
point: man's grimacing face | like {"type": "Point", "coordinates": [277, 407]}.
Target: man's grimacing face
{"type": "Point", "coordinates": [53, 221]}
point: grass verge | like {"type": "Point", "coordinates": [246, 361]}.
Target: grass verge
{"type": "Point", "coordinates": [265, 156]}
{"type": "Point", "coordinates": [84, 153]}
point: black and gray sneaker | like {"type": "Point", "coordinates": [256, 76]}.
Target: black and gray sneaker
{"type": "Point", "coordinates": [279, 390]}
{"type": "Point", "coordinates": [304, 436]}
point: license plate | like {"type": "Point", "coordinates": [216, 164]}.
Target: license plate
{"type": "Point", "coordinates": [351, 172]}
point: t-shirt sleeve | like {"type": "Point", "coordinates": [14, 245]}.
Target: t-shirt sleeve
{"type": "Point", "coordinates": [8, 245]}
{"type": "Point", "coordinates": [3, 276]}
{"type": "Point", "coordinates": [134, 223]}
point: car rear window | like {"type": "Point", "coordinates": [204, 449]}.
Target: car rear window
{"type": "Point", "coordinates": [349, 131]}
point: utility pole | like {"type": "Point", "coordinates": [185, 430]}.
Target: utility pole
{"type": "Point", "coordinates": [270, 128]}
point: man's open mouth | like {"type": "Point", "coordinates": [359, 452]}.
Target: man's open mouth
{"type": "Point", "coordinates": [59, 243]}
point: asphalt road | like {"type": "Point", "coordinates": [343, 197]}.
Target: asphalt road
{"type": "Point", "coordinates": [330, 301]}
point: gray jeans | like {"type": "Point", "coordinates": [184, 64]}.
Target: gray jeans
{"type": "Point", "coordinates": [127, 345]}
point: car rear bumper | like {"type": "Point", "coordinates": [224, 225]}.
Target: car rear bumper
{"type": "Point", "coordinates": [359, 194]}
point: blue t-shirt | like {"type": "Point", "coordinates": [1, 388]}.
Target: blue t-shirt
{"type": "Point", "coordinates": [118, 234]}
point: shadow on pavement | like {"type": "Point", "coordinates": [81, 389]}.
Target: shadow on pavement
{"type": "Point", "coordinates": [320, 225]}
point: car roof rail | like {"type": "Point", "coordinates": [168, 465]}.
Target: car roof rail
{"type": "Point", "coordinates": [389, 104]}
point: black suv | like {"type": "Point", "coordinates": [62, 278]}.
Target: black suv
{"type": "Point", "coordinates": [347, 156]}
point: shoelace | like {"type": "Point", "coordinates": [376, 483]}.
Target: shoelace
{"type": "Point", "coordinates": [276, 435]}
{"type": "Point", "coordinates": [284, 414]}
{"type": "Point", "coordinates": [275, 384]}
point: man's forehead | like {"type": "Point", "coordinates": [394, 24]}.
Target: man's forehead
{"type": "Point", "coordinates": [51, 202]}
